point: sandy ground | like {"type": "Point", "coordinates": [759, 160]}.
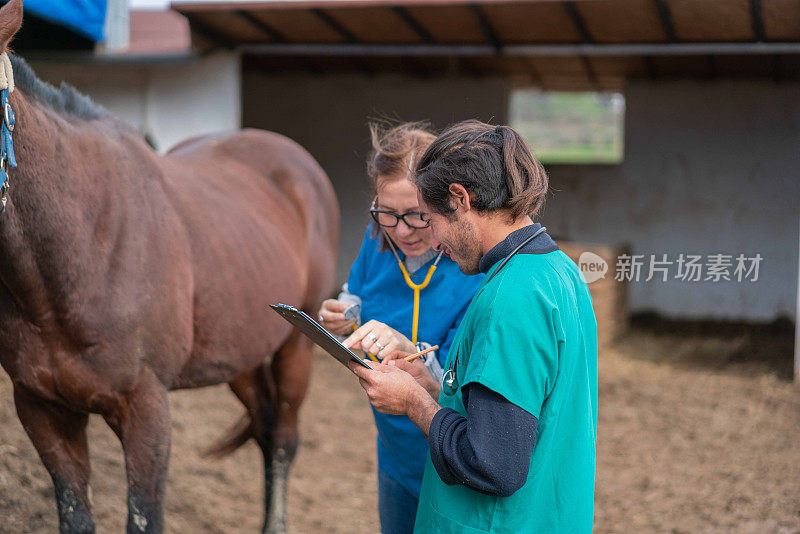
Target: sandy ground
{"type": "Point", "coordinates": [691, 438]}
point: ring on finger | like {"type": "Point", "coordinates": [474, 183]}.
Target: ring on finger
{"type": "Point", "coordinates": [380, 347]}
{"type": "Point", "coordinates": [373, 337]}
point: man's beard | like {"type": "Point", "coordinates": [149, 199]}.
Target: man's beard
{"type": "Point", "coordinates": [465, 248]}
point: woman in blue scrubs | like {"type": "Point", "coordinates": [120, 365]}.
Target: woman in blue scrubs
{"type": "Point", "coordinates": [396, 256]}
{"type": "Point", "coordinates": [512, 427]}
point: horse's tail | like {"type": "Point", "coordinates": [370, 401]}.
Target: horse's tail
{"type": "Point", "coordinates": [234, 438]}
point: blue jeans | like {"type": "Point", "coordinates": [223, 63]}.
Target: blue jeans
{"type": "Point", "coordinates": [397, 507]}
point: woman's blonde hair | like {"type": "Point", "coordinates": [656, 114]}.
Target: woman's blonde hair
{"type": "Point", "coordinates": [396, 149]}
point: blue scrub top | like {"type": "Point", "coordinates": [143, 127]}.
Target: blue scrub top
{"type": "Point", "coordinates": [385, 297]}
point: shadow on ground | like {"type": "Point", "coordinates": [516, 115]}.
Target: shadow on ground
{"type": "Point", "coordinates": [733, 347]}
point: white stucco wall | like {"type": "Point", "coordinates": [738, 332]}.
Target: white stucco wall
{"type": "Point", "coordinates": [328, 115]}
{"type": "Point", "coordinates": [710, 167]}
{"type": "Point", "coordinates": [169, 101]}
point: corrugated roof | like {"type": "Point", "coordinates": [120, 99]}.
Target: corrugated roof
{"type": "Point", "coordinates": [555, 43]}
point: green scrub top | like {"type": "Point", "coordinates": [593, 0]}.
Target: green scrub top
{"type": "Point", "coordinates": [530, 335]}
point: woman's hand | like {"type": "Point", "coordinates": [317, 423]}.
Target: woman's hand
{"type": "Point", "coordinates": [379, 339]}
{"type": "Point", "coordinates": [332, 315]}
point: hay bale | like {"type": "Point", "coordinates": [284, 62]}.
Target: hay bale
{"type": "Point", "coordinates": [609, 297]}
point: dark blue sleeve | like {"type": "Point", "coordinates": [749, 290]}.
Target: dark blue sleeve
{"type": "Point", "coordinates": [490, 449]}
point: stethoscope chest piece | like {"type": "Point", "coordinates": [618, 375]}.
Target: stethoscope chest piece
{"type": "Point", "coordinates": [449, 382]}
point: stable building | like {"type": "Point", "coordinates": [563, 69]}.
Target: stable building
{"type": "Point", "coordinates": [711, 127]}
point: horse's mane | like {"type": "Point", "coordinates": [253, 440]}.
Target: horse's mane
{"type": "Point", "coordinates": [65, 98]}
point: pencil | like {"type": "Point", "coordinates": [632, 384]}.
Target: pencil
{"type": "Point", "coordinates": [412, 357]}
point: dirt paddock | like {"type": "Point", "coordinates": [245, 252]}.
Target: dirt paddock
{"type": "Point", "coordinates": [692, 438]}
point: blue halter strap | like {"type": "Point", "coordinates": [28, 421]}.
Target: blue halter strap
{"type": "Point", "coordinates": [6, 141]}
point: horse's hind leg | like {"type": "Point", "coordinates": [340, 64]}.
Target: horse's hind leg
{"type": "Point", "coordinates": [291, 372]}
{"type": "Point", "coordinates": [256, 390]}
{"type": "Point", "coordinates": [142, 423]}
{"type": "Point", "coordinates": [59, 436]}
{"type": "Point", "coordinates": [272, 395]}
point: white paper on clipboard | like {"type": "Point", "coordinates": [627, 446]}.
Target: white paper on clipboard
{"type": "Point", "coordinates": [312, 329]}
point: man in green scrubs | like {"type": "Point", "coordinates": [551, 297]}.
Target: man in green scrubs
{"type": "Point", "coordinates": [511, 430]}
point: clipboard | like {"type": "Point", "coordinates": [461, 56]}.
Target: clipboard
{"type": "Point", "coordinates": [312, 329]}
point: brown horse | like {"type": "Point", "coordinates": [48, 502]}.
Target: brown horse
{"type": "Point", "coordinates": [125, 274]}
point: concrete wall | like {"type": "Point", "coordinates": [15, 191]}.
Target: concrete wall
{"type": "Point", "coordinates": [169, 102]}
{"type": "Point", "coordinates": [710, 167]}
{"type": "Point", "coordinates": [328, 115]}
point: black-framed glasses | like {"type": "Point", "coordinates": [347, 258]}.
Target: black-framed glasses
{"type": "Point", "coordinates": [389, 219]}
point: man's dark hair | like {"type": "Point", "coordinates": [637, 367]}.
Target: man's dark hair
{"type": "Point", "coordinates": [494, 163]}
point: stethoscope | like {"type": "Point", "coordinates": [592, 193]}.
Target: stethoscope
{"type": "Point", "coordinates": [449, 380]}
{"type": "Point", "coordinates": [416, 288]}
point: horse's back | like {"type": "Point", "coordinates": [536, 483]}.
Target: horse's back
{"type": "Point", "coordinates": [273, 156]}
{"type": "Point", "coordinates": [259, 149]}
{"type": "Point", "coordinates": [263, 222]}
{"type": "Point", "coordinates": [274, 161]}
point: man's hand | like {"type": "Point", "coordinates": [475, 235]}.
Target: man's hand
{"type": "Point", "coordinates": [389, 389]}
{"type": "Point", "coordinates": [419, 371]}
{"type": "Point", "coordinates": [394, 391]}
